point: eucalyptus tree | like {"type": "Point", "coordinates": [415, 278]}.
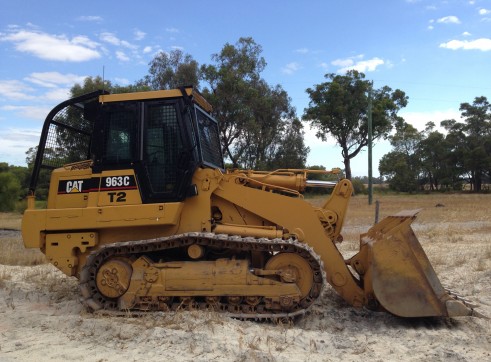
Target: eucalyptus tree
{"type": "Point", "coordinates": [339, 108]}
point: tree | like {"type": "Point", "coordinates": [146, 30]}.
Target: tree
{"type": "Point", "coordinates": [10, 188]}
{"type": "Point", "coordinates": [437, 165]}
{"type": "Point", "coordinates": [471, 141]}
{"type": "Point", "coordinates": [339, 108]}
{"type": "Point", "coordinates": [254, 117]}
{"type": "Point", "coordinates": [229, 90]}
{"type": "Point", "coordinates": [172, 70]}
{"type": "Point", "coordinates": [402, 165]}
{"type": "Point", "coordinates": [265, 134]}
{"type": "Point", "coordinates": [291, 152]}
{"type": "Point", "coordinates": [91, 84]}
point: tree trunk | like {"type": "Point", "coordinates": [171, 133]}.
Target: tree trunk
{"type": "Point", "coordinates": [477, 181]}
{"type": "Point", "coordinates": [347, 167]}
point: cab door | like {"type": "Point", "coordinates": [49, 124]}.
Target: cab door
{"type": "Point", "coordinates": [162, 147]}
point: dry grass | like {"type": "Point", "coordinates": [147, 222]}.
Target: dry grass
{"type": "Point", "coordinates": [12, 251]}
{"type": "Point", "coordinates": [9, 220]}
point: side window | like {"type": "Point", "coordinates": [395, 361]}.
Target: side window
{"type": "Point", "coordinates": [162, 147]}
{"type": "Point", "coordinates": [120, 134]}
{"type": "Point", "coordinates": [209, 140]}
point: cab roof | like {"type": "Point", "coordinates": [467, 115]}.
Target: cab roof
{"type": "Point", "coordinates": [159, 94]}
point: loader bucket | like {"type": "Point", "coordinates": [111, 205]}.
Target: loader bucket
{"type": "Point", "coordinates": [399, 275]}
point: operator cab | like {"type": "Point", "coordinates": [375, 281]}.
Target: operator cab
{"type": "Point", "coordinates": [162, 135]}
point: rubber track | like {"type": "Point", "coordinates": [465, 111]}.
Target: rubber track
{"type": "Point", "coordinates": [94, 301]}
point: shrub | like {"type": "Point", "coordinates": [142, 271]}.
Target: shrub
{"type": "Point", "coordinates": [9, 191]}
{"type": "Point", "coordinates": [358, 186]}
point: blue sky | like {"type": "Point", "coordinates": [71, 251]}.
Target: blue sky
{"type": "Point", "coordinates": [438, 52]}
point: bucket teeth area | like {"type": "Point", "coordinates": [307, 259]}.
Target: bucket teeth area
{"type": "Point", "coordinates": [469, 304]}
{"type": "Point", "coordinates": [461, 298]}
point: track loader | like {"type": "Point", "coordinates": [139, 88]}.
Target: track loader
{"type": "Point", "coordinates": [141, 210]}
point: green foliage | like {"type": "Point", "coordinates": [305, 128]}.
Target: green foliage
{"type": "Point", "coordinates": [442, 162]}
{"type": "Point", "coordinates": [90, 84]}
{"type": "Point", "coordinates": [172, 70]}
{"type": "Point", "coordinates": [255, 118]}
{"type": "Point", "coordinates": [399, 169]}
{"type": "Point", "coordinates": [291, 152]}
{"type": "Point", "coordinates": [471, 141]}
{"type": "Point", "coordinates": [402, 165]}
{"type": "Point", "coordinates": [10, 191]}
{"type": "Point", "coordinates": [358, 186]}
{"type": "Point", "coordinates": [338, 108]}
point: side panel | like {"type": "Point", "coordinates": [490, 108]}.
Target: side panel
{"type": "Point", "coordinates": [116, 188]}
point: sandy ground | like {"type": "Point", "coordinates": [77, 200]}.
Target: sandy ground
{"type": "Point", "coordinates": [41, 319]}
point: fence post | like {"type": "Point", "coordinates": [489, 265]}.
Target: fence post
{"type": "Point", "coordinates": [377, 206]}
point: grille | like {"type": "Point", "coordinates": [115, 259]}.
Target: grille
{"type": "Point", "coordinates": [209, 140]}
{"type": "Point", "coordinates": [68, 138]}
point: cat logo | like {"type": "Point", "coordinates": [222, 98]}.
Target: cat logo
{"type": "Point", "coordinates": [74, 186]}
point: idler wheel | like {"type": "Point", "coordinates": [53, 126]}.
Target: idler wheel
{"type": "Point", "coordinates": [294, 269]}
{"type": "Point", "coordinates": [113, 278]}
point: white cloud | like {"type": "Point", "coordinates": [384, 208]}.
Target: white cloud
{"type": "Point", "coordinates": [449, 20]}
{"type": "Point", "coordinates": [172, 30]}
{"type": "Point", "coordinates": [291, 68]}
{"type": "Point", "coordinates": [57, 95]}
{"type": "Point", "coordinates": [466, 33]}
{"type": "Point", "coordinates": [93, 18]}
{"type": "Point", "coordinates": [122, 56]}
{"type": "Point", "coordinates": [302, 51]}
{"type": "Point", "coordinates": [54, 79]}
{"type": "Point", "coordinates": [14, 89]}
{"type": "Point", "coordinates": [419, 119]}
{"type": "Point", "coordinates": [29, 112]}
{"type": "Point", "coordinates": [15, 143]}
{"type": "Point", "coordinates": [483, 44]}
{"type": "Point", "coordinates": [147, 49]}
{"type": "Point", "coordinates": [110, 38]}
{"type": "Point", "coordinates": [85, 41]}
{"type": "Point", "coordinates": [122, 81]}
{"type": "Point", "coordinates": [139, 35]}
{"type": "Point", "coordinates": [484, 11]}
{"type": "Point", "coordinates": [357, 63]}
{"type": "Point", "coordinates": [343, 62]}
{"type": "Point", "coordinates": [114, 40]}
{"type": "Point", "coordinates": [53, 47]}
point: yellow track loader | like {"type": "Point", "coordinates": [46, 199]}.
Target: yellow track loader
{"type": "Point", "coordinates": [141, 210]}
